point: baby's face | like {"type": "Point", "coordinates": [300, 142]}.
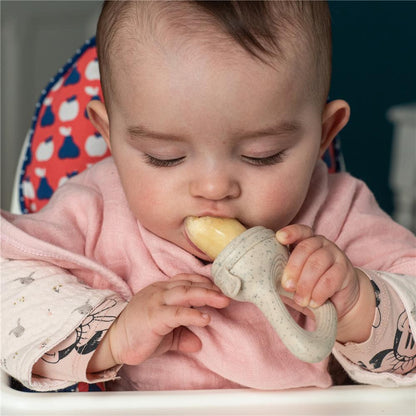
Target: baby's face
{"type": "Point", "coordinates": [202, 134]}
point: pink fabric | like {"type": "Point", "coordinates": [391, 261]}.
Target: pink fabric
{"type": "Point", "coordinates": [88, 229]}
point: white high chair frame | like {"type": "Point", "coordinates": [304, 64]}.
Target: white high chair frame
{"type": "Point", "coordinates": [340, 400]}
{"type": "Point", "coordinates": [403, 164]}
{"type": "Point", "coordinates": [357, 400]}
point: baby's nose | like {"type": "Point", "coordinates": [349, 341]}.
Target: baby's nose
{"type": "Point", "coordinates": [215, 185]}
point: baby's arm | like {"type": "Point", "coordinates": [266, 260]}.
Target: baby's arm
{"type": "Point", "coordinates": [318, 270]}
{"type": "Point", "coordinates": [41, 305]}
{"type": "Point", "coordinates": [156, 320]}
{"type": "Point", "coordinates": [58, 326]}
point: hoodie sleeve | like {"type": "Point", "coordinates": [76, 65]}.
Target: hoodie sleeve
{"type": "Point", "coordinates": [42, 306]}
{"type": "Point", "coordinates": [388, 357]}
{"type": "Point", "coordinates": [68, 361]}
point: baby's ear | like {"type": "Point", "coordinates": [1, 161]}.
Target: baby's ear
{"type": "Point", "coordinates": [334, 117]}
{"type": "Point", "coordinates": [98, 115]}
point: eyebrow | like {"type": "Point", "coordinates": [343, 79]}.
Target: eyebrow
{"type": "Point", "coordinates": [279, 129]}
{"type": "Point", "coordinates": [142, 131]}
{"type": "Point", "coordinates": [282, 128]}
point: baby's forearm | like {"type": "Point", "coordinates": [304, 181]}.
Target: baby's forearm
{"type": "Point", "coordinates": [102, 358]}
{"type": "Point", "coordinates": [356, 325]}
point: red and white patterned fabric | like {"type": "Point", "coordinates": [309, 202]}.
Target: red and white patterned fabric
{"type": "Point", "coordinates": [63, 141]}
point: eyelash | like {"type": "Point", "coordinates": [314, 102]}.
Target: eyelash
{"type": "Point", "coordinates": [266, 161]}
{"type": "Point", "coordinates": [260, 161]}
{"type": "Point", "coordinates": [162, 163]}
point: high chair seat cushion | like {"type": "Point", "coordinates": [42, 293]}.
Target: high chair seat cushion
{"type": "Point", "coordinates": [63, 142]}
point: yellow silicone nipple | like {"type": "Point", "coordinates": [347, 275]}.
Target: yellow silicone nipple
{"type": "Point", "coordinates": [212, 234]}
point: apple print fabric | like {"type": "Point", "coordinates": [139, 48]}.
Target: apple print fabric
{"type": "Point", "coordinates": [62, 140]}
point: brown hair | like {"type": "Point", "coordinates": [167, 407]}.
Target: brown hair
{"type": "Point", "coordinates": [260, 27]}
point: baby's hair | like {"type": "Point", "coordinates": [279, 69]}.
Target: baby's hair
{"type": "Point", "coordinates": [262, 28]}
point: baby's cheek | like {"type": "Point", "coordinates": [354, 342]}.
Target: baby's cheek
{"type": "Point", "coordinates": [277, 209]}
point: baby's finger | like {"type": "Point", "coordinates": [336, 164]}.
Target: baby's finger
{"type": "Point", "coordinates": [294, 233]}
{"type": "Point", "coordinates": [184, 340]}
{"type": "Point", "coordinates": [329, 284]}
{"type": "Point", "coordinates": [171, 317]}
{"type": "Point", "coordinates": [191, 280]}
{"type": "Point", "coordinates": [185, 295]}
{"type": "Point", "coordinates": [297, 261]}
{"type": "Point", "coordinates": [315, 267]}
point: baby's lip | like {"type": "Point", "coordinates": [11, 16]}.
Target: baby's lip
{"type": "Point", "coordinates": [214, 215]}
{"type": "Point", "coordinates": [199, 252]}
{"type": "Point", "coordinates": [218, 215]}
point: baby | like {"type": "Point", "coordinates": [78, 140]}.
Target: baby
{"type": "Point", "coordinates": [219, 109]}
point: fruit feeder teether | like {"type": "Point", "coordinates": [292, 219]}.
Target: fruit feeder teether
{"type": "Point", "coordinates": [248, 267]}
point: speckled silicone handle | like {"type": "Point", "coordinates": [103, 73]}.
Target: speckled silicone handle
{"type": "Point", "coordinates": [249, 269]}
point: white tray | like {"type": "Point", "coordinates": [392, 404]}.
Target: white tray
{"type": "Point", "coordinates": [342, 400]}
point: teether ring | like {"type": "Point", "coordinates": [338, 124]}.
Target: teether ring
{"type": "Point", "coordinates": [249, 269]}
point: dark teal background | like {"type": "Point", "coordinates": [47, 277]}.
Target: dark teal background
{"type": "Point", "coordinates": [374, 68]}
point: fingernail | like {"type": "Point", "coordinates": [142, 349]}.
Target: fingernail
{"type": "Point", "coordinates": [282, 235]}
{"type": "Point", "coordinates": [300, 301]}
{"type": "Point", "coordinates": [313, 304]}
{"type": "Point", "coordinates": [289, 285]}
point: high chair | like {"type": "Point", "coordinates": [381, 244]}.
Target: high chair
{"type": "Point", "coordinates": [61, 143]}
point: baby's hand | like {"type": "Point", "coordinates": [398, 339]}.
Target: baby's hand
{"type": "Point", "coordinates": [317, 270]}
{"type": "Point", "coordinates": [156, 319]}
